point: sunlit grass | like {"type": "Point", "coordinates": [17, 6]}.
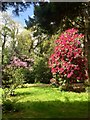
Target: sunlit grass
{"type": "Point", "coordinates": [0, 103]}
{"type": "Point", "coordinates": [47, 102]}
{"type": "Point", "coordinates": [0, 95]}
{"type": "Point", "coordinates": [49, 94]}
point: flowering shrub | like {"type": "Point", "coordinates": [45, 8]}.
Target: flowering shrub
{"type": "Point", "coordinates": [18, 63]}
{"type": "Point", "coordinates": [12, 77]}
{"type": "Point", "coordinates": [67, 63]}
{"type": "Point", "coordinates": [15, 74]}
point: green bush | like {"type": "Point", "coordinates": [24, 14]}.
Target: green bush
{"type": "Point", "coordinates": [9, 105]}
{"type": "Point", "coordinates": [39, 73]}
{"type": "Point", "coordinates": [12, 78]}
{"type": "Point", "coordinates": [29, 76]}
{"type": "Point", "coordinates": [12, 75]}
{"type": "Point", "coordinates": [42, 72]}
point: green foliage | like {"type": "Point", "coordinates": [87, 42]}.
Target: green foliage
{"type": "Point", "coordinates": [53, 16]}
{"type": "Point", "coordinates": [42, 72]}
{"type": "Point", "coordinates": [7, 54]}
{"type": "Point", "coordinates": [9, 30]}
{"type": "Point", "coordinates": [13, 75]}
{"type": "Point", "coordinates": [29, 76]}
{"type": "Point", "coordinates": [17, 7]}
{"type": "Point", "coordinates": [10, 106]}
{"type": "Point", "coordinates": [12, 78]}
{"type": "Point", "coordinates": [24, 43]}
{"type": "Point", "coordinates": [7, 105]}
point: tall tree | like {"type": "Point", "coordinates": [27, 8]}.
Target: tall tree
{"type": "Point", "coordinates": [24, 43]}
{"type": "Point", "coordinates": [9, 30]}
{"type": "Point", "coordinates": [51, 15]}
{"type": "Point", "coordinates": [54, 16]}
{"type": "Point", "coordinates": [87, 34]}
{"type": "Point", "coordinates": [18, 7]}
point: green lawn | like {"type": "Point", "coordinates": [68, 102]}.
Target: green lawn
{"type": "Point", "coordinates": [47, 102]}
{"type": "Point", "coordinates": [0, 103]}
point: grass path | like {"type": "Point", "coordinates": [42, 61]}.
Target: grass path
{"type": "Point", "coordinates": [47, 102]}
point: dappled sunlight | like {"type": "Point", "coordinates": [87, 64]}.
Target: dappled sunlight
{"type": "Point", "coordinates": [49, 94]}
{"type": "Point", "coordinates": [0, 95]}
{"type": "Point", "coordinates": [45, 64]}
{"type": "Point", "coordinates": [48, 102]}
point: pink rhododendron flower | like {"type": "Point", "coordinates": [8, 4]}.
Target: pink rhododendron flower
{"type": "Point", "coordinates": [18, 63]}
{"type": "Point", "coordinates": [67, 59]}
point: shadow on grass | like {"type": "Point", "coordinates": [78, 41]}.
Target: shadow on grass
{"type": "Point", "coordinates": [23, 93]}
{"type": "Point", "coordinates": [50, 109]}
{"type": "Point", "coordinates": [30, 92]}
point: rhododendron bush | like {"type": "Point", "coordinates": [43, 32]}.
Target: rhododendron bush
{"type": "Point", "coordinates": [14, 74]}
{"type": "Point", "coordinates": [67, 63]}
{"type": "Point", "coordinates": [18, 63]}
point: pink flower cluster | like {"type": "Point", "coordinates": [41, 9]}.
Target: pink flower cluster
{"type": "Point", "coordinates": [18, 63]}
{"type": "Point", "coordinates": [67, 60]}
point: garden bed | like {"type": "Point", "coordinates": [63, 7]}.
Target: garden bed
{"type": "Point", "coordinates": [75, 87]}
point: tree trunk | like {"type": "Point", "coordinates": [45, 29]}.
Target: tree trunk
{"type": "Point", "coordinates": [3, 46]}
{"type": "Point", "coordinates": [88, 57]}
{"type": "Point", "coordinates": [87, 38]}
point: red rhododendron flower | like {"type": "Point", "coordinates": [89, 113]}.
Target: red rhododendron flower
{"type": "Point", "coordinates": [68, 61]}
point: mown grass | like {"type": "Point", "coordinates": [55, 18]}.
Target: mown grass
{"type": "Point", "coordinates": [0, 95]}
{"type": "Point", "coordinates": [47, 102]}
{"type": "Point", "coordinates": [0, 103]}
